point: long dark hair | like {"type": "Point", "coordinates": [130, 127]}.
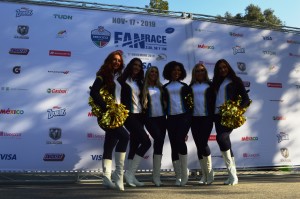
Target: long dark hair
{"type": "Point", "coordinates": [129, 69]}
{"type": "Point", "coordinates": [217, 79]}
{"type": "Point", "coordinates": [169, 67]}
{"type": "Point", "coordinates": [106, 70]}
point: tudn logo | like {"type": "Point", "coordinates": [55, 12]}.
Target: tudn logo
{"type": "Point", "coordinates": [284, 152]}
{"type": "Point", "coordinates": [55, 133]}
{"type": "Point", "coordinates": [100, 36]}
{"type": "Point", "coordinates": [16, 69]}
{"type": "Point", "coordinates": [238, 49]}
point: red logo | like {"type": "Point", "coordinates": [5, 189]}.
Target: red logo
{"type": "Point", "coordinates": [274, 85]}
{"type": "Point", "coordinates": [212, 138]}
{"type": "Point", "coordinates": [59, 53]}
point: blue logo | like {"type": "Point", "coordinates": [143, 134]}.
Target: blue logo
{"type": "Point", "coordinates": [169, 30]}
{"type": "Point", "coordinates": [100, 37]}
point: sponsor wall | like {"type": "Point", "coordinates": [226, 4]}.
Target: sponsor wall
{"type": "Point", "coordinates": [49, 57]}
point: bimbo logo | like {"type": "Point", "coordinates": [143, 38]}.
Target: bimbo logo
{"type": "Point", "coordinates": [238, 49]}
{"type": "Point", "coordinates": [100, 36]}
{"type": "Point", "coordinates": [142, 41]}
{"type": "Point", "coordinates": [56, 111]}
{"type": "Point", "coordinates": [23, 12]}
{"type": "Point", "coordinates": [282, 136]}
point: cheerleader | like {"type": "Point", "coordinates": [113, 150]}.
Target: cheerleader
{"type": "Point", "coordinates": [155, 122]}
{"type": "Point", "coordinates": [202, 119]}
{"type": "Point", "coordinates": [227, 86]}
{"type": "Point", "coordinates": [178, 117]}
{"type": "Point", "coordinates": [131, 94]}
{"type": "Point", "coordinates": [114, 138]}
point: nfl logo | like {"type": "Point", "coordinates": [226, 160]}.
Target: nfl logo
{"type": "Point", "coordinates": [241, 66]}
{"type": "Point", "coordinates": [23, 30]}
{"type": "Point", "coordinates": [55, 133]}
{"type": "Point", "coordinates": [100, 36]}
{"type": "Point", "coordinates": [285, 152]}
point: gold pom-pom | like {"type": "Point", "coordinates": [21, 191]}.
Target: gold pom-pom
{"type": "Point", "coordinates": [114, 116]}
{"type": "Point", "coordinates": [232, 114]}
{"type": "Point", "coordinates": [189, 101]}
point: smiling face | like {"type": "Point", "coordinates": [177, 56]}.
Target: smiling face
{"type": "Point", "coordinates": [153, 75]}
{"type": "Point", "coordinates": [200, 73]}
{"type": "Point", "coordinates": [137, 67]}
{"type": "Point", "coordinates": [223, 69]}
{"type": "Point", "coordinates": [176, 73]}
{"type": "Point", "coordinates": [116, 62]}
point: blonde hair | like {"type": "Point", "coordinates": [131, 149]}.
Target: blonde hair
{"type": "Point", "coordinates": [193, 80]}
{"type": "Point", "coordinates": [146, 85]}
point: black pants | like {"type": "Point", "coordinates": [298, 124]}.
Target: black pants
{"type": "Point", "coordinates": [178, 127]}
{"type": "Point", "coordinates": [201, 128]}
{"type": "Point", "coordinates": [223, 134]}
{"type": "Point", "coordinates": [139, 140]}
{"type": "Point", "coordinates": [156, 126]}
{"type": "Point", "coordinates": [115, 138]}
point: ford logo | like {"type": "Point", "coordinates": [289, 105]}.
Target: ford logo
{"type": "Point", "coordinates": [170, 30]}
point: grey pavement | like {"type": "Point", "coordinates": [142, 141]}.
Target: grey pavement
{"type": "Point", "coordinates": [259, 185]}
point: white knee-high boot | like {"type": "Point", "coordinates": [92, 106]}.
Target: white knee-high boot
{"type": "Point", "coordinates": [184, 170]}
{"type": "Point", "coordinates": [203, 171]}
{"type": "Point", "coordinates": [176, 165]}
{"type": "Point", "coordinates": [118, 174]}
{"type": "Point", "coordinates": [227, 182]}
{"type": "Point", "coordinates": [229, 162]}
{"type": "Point", "coordinates": [136, 183]}
{"type": "Point", "coordinates": [130, 173]}
{"type": "Point", "coordinates": [209, 171]}
{"type": "Point", "coordinates": [106, 165]}
{"type": "Point", "coordinates": [156, 169]}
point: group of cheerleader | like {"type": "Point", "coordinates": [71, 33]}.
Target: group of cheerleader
{"type": "Point", "coordinates": [175, 108]}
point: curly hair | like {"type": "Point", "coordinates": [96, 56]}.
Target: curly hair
{"type": "Point", "coordinates": [169, 67]}
{"type": "Point", "coordinates": [106, 70]}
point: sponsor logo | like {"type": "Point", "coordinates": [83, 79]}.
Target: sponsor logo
{"type": "Point", "coordinates": [203, 30]}
{"type": "Point", "coordinates": [10, 135]}
{"type": "Point", "coordinates": [297, 86]}
{"type": "Point", "coordinates": [142, 41]}
{"type": "Point", "coordinates": [161, 57]}
{"type": "Point", "coordinates": [274, 85]}
{"type": "Point", "coordinates": [205, 46]}
{"type": "Point", "coordinates": [90, 114]}
{"type": "Point", "coordinates": [100, 36]}
{"type": "Point", "coordinates": [146, 157]}
{"type": "Point", "coordinates": [273, 69]}
{"type": "Point", "coordinates": [23, 12]}
{"type": "Point", "coordinates": [169, 30]}
{"type": "Point", "coordinates": [54, 157]}
{"type": "Point", "coordinates": [61, 34]}
{"type": "Point", "coordinates": [242, 68]}
{"type": "Point", "coordinates": [276, 100]}
{"type": "Point", "coordinates": [282, 136]}
{"type": "Point", "coordinates": [54, 134]}
{"type": "Point", "coordinates": [57, 90]}
{"type": "Point", "coordinates": [269, 52]}
{"type": "Point", "coordinates": [238, 49]}
{"type": "Point", "coordinates": [294, 55]}
{"type": "Point", "coordinates": [279, 118]}
{"type": "Point", "coordinates": [233, 34]}
{"type": "Point", "coordinates": [95, 136]}
{"type": "Point", "coordinates": [251, 155]}
{"type": "Point", "coordinates": [212, 138]}
{"type": "Point", "coordinates": [212, 64]}
{"type": "Point", "coordinates": [23, 31]}
{"type": "Point", "coordinates": [59, 53]}
{"type": "Point", "coordinates": [61, 72]}
{"type": "Point", "coordinates": [56, 111]}
{"type": "Point", "coordinates": [96, 157]}
{"type": "Point", "coordinates": [142, 56]}
{"type": "Point", "coordinates": [146, 65]}
{"type": "Point", "coordinates": [19, 51]}
{"type": "Point", "coordinates": [67, 17]}
{"type": "Point", "coordinates": [16, 69]}
{"type": "Point", "coordinates": [8, 156]}
{"type": "Point", "coordinates": [285, 153]}
{"type": "Point", "coordinates": [267, 38]}
{"type": "Point", "coordinates": [246, 83]}
{"type": "Point", "coordinates": [11, 112]}
{"type": "Point", "coordinates": [13, 89]}
{"type": "Point", "coordinates": [293, 42]}
{"type": "Point", "coordinates": [249, 138]}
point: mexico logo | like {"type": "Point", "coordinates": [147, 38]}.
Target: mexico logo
{"type": "Point", "coordinates": [100, 36]}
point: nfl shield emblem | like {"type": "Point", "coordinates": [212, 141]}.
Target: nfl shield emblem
{"type": "Point", "coordinates": [284, 152]}
{"type": "Point", "coordinates": [100, 36]}
{"type": "Point", "coordinates": [23, 30]}
{"type": "Point", "coordinates": [241, 66]}
{"type": "Point", "coordinates": [55, 133]}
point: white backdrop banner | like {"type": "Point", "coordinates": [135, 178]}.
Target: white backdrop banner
{"type": "Point", "coordinates": [49, 57]}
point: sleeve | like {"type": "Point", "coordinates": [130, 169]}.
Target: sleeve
{"type": "Point", "coordinates": [243, 93]}
{"type": "Point", "coordinates": [95, 92]}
